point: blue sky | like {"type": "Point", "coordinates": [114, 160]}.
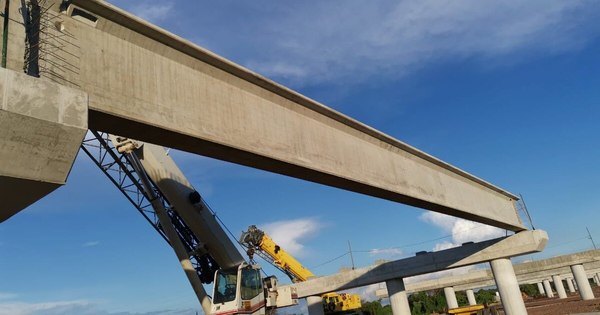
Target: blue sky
{"type": "Point", "coordinates": [506, 91]}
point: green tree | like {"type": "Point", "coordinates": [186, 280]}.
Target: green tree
{"type": "Point", "coordinates": [461, 298]}
{"type": "Point", "coordinates": [486, 296]}
{"type": "Point", "coordinates": [529, 289]}
{"type": "Point", "coordinates": [375, 308]}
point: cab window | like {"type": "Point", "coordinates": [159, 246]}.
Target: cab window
{"type": "Point", "coordinates": [225, 286]}
{"type": "Point", "coordinates": [251, 283]}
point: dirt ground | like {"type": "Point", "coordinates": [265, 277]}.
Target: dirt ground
{"type": "Point", "coordinates": [571, 305]}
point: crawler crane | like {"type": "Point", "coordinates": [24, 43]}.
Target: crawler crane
{"type": "Point", "coordinates": [153, 183]}
{"type": "Point", "coordinates": [258, 242]}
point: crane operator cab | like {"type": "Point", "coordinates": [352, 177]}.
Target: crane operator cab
{"type": "Point", "coordinates": [243, 290]}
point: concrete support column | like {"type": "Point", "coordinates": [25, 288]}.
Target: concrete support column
{"type": "Point", "coordinates": [315, 305]}
{"type": "Point", "coordinates": [450, 297]}
{"type": "Point", "coordinates": [574, 284]}
{"type": "Point", "coordinates": [560, 288]}
{"type": "Point", "coordinates": [471, 297]}
{"type": "Point", "coordinates": [548, 289]}
{"type": "Point", "coordinates": [595, 277]}
{"type": "Point", "coordinates": [506, 282]}
{"type": "Point", "coordinates": [398, 297]}
{"type": "Point", "coordinates": [570, 285]}
{"type": "Point", "coordinates": [541, 288]}
{"type": "Point", "coordinates": [585, 290]}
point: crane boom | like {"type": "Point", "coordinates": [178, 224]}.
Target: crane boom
{"type": "Point", "coordinates": [171, 181]}
{"type": "Point", "coordinates": [276, 255]}
{"type": "Point", "coordinates": [153, 183]}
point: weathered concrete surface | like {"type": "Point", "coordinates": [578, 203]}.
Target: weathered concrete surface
{"type": "Point", "coordinates": [398, 297]}
{"type": "Point", "coordinates": [583, 285]}
{"type": "Point", "coordinates": [468, 254]}
{"type": "Point", "coordinates": [450, 296]}
{"type": "Point", "coordinates": [42, 125]}
{"type": "Point", "coordinates": [558, 285]}
{"type": "Point", "coordinates": [471, 297]}
{"type": "Point", "coordinates": [148, 84]}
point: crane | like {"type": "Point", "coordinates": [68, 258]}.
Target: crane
{"type": "Point", "coordinates": [152, 182]}
{"type": "Point", "coordinates": [258, 242]}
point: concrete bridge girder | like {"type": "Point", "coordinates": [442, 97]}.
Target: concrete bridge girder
{"type": "Point", "coordinates": [494, 251]}
{"type": "Point", "coordinates": [145, 83]}
{"type": "Point", "coordinates": [544, 270]}
{"type": "Point", "coordinates": [468, 254]}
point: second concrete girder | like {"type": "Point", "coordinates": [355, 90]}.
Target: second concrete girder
{"type": "Point", "coordinates": [469, 254]}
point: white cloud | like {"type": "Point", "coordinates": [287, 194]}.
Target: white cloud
{"type": "Point", "coordinates": [91, 244]}
{"type": "Point", "coordinates": [461, 230]}
{"type": "Point", "coordinates": [153, 12]}
{"type": "Point", "coordinates": [330, 40]}
{"type": "Point", "coordinates": [291, 234]}
{"type": "Point", "coordinates": [367, 293]}
{"type": "Point", "coordinates": [444, 245]}
{"type": "Point", "coordinates": [388, 252]}
{"type": "Point", "coordinates": [78, 307]}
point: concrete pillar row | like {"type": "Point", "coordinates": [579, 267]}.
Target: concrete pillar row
{"type": "Point", "coordinates": [548, 288]}
{"type": "Point", "coordinates": [560, 288]}
{"type": "Point", "coordinates": [541, 288]}
{"type": "Point", "coordinates": [471, 297]}
{"type": "Point", "coordinates": [398, 297]}
{"type": "Point", "coordinates": [570, 285]}
{"type": "Point", "coordinates": [506, 282]}
{"type": "Point", "coordinates": [450, 297]}
{"type": "Point", "coordinates": [581, 279]}
{"type": "Point", "coordinates": [315, 305]}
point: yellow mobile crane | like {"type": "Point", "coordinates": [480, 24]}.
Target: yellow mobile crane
{"type": "Point", "coordinates": [258, 242]}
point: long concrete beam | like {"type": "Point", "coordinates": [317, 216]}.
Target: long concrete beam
{"type": "Point", "coordinates": [545, 268]}
{"type": "Point", "coordinates": [146, 83]}
{"type": "Point", "coordinates": [468, 254]}
{"type": "Point", "coordinates": [529, 272]}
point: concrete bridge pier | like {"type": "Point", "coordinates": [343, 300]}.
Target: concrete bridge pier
{"type": "Point", "coordinates": [506, 282]}
{"type": "Point", "coordinates": [560, 288]}
{"type": "Point", "coordinates": [581, 279]}
{"type": "Point", "coordinates": [570, 285]}
{"type": "Point", "coordinates": [541, 288]}
{"type": "Point", "coordinates": [471, 297]}
{"type": "Point", "coordinates": [42, 124]}
{"type": "Point", "coordinates": [315, 305]}
{"type": "Point", "coordinates": [450, 297]}
{"type": "Point", "coordinates": [398, 297]}
{"type": "Point", "coordinates": [548, 289]}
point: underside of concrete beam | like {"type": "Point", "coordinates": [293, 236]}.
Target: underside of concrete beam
{"type": "Point", "coordinates": [147, 84]}
{"type": "Point", "coordinates": [519, 244]}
